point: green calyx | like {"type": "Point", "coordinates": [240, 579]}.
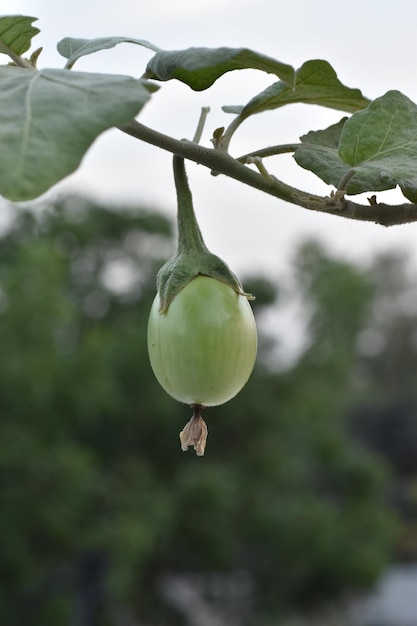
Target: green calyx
{"type": "Point", "coordinates": [193, 257]}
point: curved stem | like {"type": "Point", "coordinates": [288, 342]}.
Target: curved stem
{"type": "Point", "coordinates": [345, 179]}
{"type": "Point", "coordinates": [230, 131]}
{"type": "Point", "coordinates": [257, 161]}
{"type": "Point", "coordinates": [16, 58]}
{"type": "Point", "coordinates": [284, 148]}
{"type": "Point", "coordinates": [219, 161]}
{"type": "Point", "coordinates": [189, 233]}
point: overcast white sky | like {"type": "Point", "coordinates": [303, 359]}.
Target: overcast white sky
{"type": "Point", "coordinates": [371, 45]}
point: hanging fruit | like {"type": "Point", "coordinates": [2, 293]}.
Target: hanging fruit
{"type": "Point", "coordinates": [202, 338]}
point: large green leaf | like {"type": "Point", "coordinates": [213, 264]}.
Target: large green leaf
{"type": "Point", "coordinates": [49, 118]}
{"type": "Point", "coordinates": [316, 82]}
{"type": "Point", "coordinates": [73, 49]}
{"type": "Point", "coordinates": [16, 33]}
{"type": "Point", "coordinates": [201, 67]}
{"type": "Point", "coordinates": [378, 147]}
{"type": "Point", "coordinates": [381, 143]}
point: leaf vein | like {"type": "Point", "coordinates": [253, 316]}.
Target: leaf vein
{"type": "Point", "coordinates": [27, 125]}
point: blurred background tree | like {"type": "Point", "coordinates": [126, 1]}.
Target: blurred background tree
{"type": "Point", "coordinates": [384, 418]}
{"type": "Point", "coordinates": [103, 520]}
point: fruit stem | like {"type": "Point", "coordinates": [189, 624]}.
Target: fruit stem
{"type": "Point", "coordinates": [190, 238]}
{"type": "Point", "coordinates": [193, 258]}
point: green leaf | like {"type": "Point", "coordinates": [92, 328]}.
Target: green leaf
{"type": "Point", "coordinates": [381, 142]}
{"type": "Point", "coordinates": [49, 118]}
{"type": "Point", "coordinates": [73, 49]}
{"type": "Point", "coordinates": [409, 189]}
{"type": "Point", "coordinates": [201, 67]}
{"type": "Point", "coordinates": [318, 153]}
{"type": "Point", "coordinates": [316, 82]}
{"type": "Point", "coordinates": [16, 33]}
{"type": "Point", "coordinates": [378, 146]}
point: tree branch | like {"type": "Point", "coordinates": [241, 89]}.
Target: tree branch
{"type": "Point", "coordinates": [222, 163]}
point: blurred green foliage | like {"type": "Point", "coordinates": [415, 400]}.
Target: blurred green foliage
{"type": "Point", "coordinates": [285, 510]}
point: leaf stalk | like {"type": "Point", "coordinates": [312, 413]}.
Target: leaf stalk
{"type": "Point", "coordinates": [201, 123]}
